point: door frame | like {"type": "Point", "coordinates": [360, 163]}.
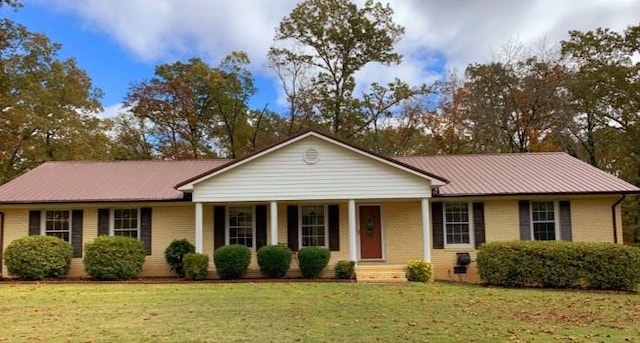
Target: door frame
{"type": "Point", "coordinates": [382, 234]}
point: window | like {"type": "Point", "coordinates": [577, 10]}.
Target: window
{"type": "Point", "coordinates": [457, 224]}
{"type": "Point", "coordinates": [313, 226]}
{"type": "Point", "coordinates": [543, 220]}
{"type": "Point", "coordinates": [126, 222]}
{"type": "Point", "coordinates": [58, 224]}
{"type": "Point", "coordinates": [240, 225]}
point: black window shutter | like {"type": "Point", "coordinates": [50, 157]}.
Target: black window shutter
{"type": "Point", "coordinates": [34, 223]}
{"type": "Point", "coordinates": [565, 221]}
{"type": "Point", "coordinates": [218, 226]}
{"type": "Point", "coordinates": [525, 220]}
{"type": "Point", "coordinates": [103, 222]}
{"type": "Point", "coordinates": [334, 227]}
{"type": "Point", "coordinates": [292, 227]}
{"type": "Point", "coordinates": [145, 228]}
{"type": "Point", "coordinates": [438, 225]}
{"type": "Point", "coordinates": [261, 226]}
{"type": "Point", "coordinates": [478, 224]}
{"type": "Point", "coordinates": [76, 232]}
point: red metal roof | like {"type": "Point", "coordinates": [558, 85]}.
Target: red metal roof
{"type": "Point", "coordinates": [529, 173]}
{"type": "Point", "coordinates": [82, 181]}
{"type": "Point", "coordinates": [497, 174]}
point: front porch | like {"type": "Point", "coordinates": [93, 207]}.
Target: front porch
{"type": "Point", "coordinates": [368, 232]}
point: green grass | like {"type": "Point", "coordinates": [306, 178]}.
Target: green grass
{"type": "Point", "coordinates": [311, 312]}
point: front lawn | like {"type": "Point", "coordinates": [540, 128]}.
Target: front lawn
{"type": "Point", "coordinates": [310, 312]}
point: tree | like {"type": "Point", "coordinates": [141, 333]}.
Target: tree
{"type": "Point", "coordinates": [514, 107]}
{"type": "Point", "coordinates": [334, 39]}
{"type": "Point", "coordinates": [48, 104]}
{"type": "Point", "coordinates": [606, 92]}
{"type": "Point", "coordinates": [191, 110]}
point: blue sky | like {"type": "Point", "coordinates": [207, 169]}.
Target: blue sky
{"type": "Point", "coordinates": [121, 41]}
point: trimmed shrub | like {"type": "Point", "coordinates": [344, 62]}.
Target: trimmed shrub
{"type": "Point", "coordinates": [313, 260]}
{"type": "Point", "coordinates": [232, 261]}
{"type": "Point", "coordinates": [175, 253]}
{"type": "Point", "coordinates": [38, 257]}
{"type": "Point", "coordinates": [345, 270]}
{"type": "Point", "coordinates": [196, 266]}
{"type": "Point", "coordinates": [274, 260]}
{"type": "Point", "coordinates": [419, 271]}
{"type": "Point", "coordinates": [114, 258]}
{"type": "Point", "coordinates": [554, 264]}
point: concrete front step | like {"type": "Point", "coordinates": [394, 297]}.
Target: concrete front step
{"type": "Point", "coordinates": [381, 273]}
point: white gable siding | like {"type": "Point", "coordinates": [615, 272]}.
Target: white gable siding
{"type": "Point", "coordinates": [283, 175]}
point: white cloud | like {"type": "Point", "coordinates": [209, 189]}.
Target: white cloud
{"type": "Point", "coordinates": [459, 32]}
{"type": "Point", "coordinates": [112, 111]}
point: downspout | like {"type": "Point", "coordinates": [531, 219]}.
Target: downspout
{"type": "Point", "coordinates": [615, 221]}
{"type": "Point", "coordinates": [1, 241]}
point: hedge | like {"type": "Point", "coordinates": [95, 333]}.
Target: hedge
{"type": "Point", "coordinates": [557, 264]}
{"type": "Point", "coordinates": [38, 257]}
{"type": "Point", "coordinates": [114, 258]}
{"type": "Point", "coordinates": [274, 260]}
{"type": "Point", "coordinates": [313, 260]}
{"type": "Point", "coordinates": [232, 261]}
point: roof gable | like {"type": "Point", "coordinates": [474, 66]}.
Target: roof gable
{"type": "Point", "coordinates": [435, 180]}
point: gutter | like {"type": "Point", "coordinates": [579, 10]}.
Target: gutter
{"type": "Point", "coordinates": [615, 221]}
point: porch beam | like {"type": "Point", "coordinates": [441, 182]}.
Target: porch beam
{"type": "Point", "coordinates": [353, 256]}
{"type": "Point", "coordinates": [426, 230]}
{"type": "Point", "coordinates": [273, 206]}
{"type": "Point", "coordinates": [199, 245]}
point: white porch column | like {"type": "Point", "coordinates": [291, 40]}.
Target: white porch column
{"type": "Point", "coordinates": [273, 206]}
{"type": "Point", "coordinates": [353, 256]}
{"type": "Point", "coordinates": [199, 227]}
{"type": "Point", "coordinates": [426, 232]}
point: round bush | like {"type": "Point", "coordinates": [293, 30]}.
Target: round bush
{"type": "Point", "coordinates": [114, 258]}
{"type": "Point", "coordinates": [419, 271]}
{"type": "Point", "coordinates": [175, 253]}
{"type": "Point", "coordinates": [345, 270]}
{"type": "Point", "coordinates": [313, 260]}
{"type": "Point", "coordinates": [274, 260]}
{"type": "Point", "coordinates": [232, 261]}
{"type": "Point", "coordinates": [196, 266]}
{"type": "Point", "coordinates": [38, 257]}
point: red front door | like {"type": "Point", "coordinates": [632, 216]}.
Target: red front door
{"type": "Point", "coordinates": [370, 232]}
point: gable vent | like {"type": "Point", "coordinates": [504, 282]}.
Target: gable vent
{"type": "Point", "coordinates": [311, 156]}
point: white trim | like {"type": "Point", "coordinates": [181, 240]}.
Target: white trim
{"type": "Point", "coordinates": [112, 219]}
{"type": "Point", "coordinates": [43, 222]}
{"type": "Point", "coordinates": [325, 208]}
{"type": "Point", "coordinates": [556, 218]}
{"type": "Point", "coordinates": [471, 226]}
{"type": "Point", "coordinates": [253, 224]}
{"type": "Point", "coordinates": [382, 234]}
{"type": "Point", "coordinates": [189, 186]}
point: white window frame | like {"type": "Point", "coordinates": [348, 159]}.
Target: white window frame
{"type": "Point", "coordinates": [470, 223]}
{"type": "Point", "coordinates": [43, 223]}
{"type": "Point", "coordinates": [227, 236]}
{"type": "Point", "coordinates": [112, 220]}
{"type": "Point", "coordinates": [556, 217]}
{"type": "Point", "coordinates": [326, 224]}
